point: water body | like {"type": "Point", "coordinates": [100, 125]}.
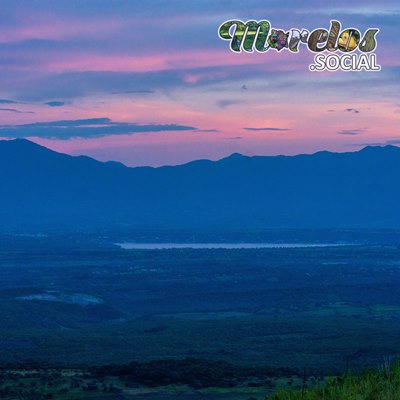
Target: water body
{"type": "Point", "coordinates": [163, 246]}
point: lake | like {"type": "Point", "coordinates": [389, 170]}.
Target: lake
{"type": "Point", "coordinates": [163, 246]}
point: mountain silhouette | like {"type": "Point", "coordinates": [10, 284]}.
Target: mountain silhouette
{"type": "Point", "coordinates": [43, 189]}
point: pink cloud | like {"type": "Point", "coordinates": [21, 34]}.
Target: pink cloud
{"type": "Point", "coordinates": [57, 61]}
{"type": "Point", "coordinates": [52, 27]}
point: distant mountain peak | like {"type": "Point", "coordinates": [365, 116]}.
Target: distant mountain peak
{"type": "Point", "coordinates": [236, 156]}
{"type": "Point", "coordinates": [21, 143]}
{"type": "Point", "coordinates": [388, 147]}
{"type": "Point", "coordinates": [233, 155]}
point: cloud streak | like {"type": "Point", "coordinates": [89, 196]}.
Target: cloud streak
{"type": "Point", "coordinates": [227, 103]}
{"type": "Point", "coordinates": [351, 131]}
{"type": "Point", "coordinates": [85, 128]}
{"type": "Point", "coordinates": [55, 103]}
{"type": "Point", "coordinates": [5, 101]}
{"type": "Point", "coordinates": [269, 129]}
{"type": "Point", "coordinates": [14, 110]}
{"type": "Point", "coordinates": [135, 92]}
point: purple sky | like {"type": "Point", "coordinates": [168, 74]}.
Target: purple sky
{"type": "Point", "coordinates": [151, 83]}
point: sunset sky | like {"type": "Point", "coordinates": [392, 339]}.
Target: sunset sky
{"type": "Point", "coordinates": [151, 83]}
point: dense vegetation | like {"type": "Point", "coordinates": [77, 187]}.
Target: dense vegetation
{"type": "Point", "coordinates": [40, 381]}
{"type": "Point", "coordinates": [197, 373]}
{"type": "Point", "coordinates": [191, 377]}
{"type": "Point", "coordinates": [383, 384]}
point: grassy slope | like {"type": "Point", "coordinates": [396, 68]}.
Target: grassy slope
{"type": "Point", "coordinates": [370, 385]}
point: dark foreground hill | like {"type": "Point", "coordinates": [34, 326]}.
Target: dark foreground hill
{"type": "Point", "coordinates": [42, 189]}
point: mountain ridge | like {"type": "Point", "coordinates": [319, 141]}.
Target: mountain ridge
{"type": "Point", "coordinates": [368, 148]}
{"type": "Point", "coordinates": [43, 189]}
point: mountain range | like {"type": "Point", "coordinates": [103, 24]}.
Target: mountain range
{"type": "Point", "coordinates": [43, 189]}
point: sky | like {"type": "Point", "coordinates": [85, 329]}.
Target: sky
{"type": "Point", "coordinates": [151, 83]}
